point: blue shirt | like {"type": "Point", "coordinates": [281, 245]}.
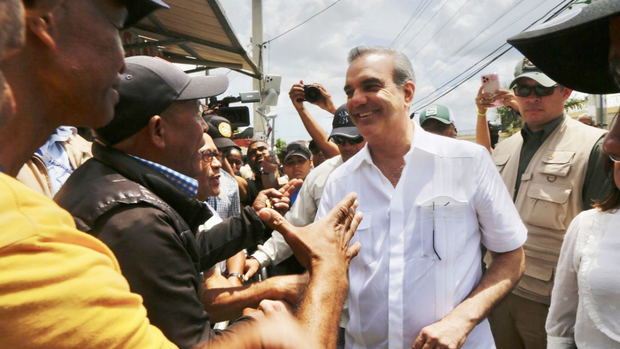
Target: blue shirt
{"type": "Point", "coordinates": [184, 183]}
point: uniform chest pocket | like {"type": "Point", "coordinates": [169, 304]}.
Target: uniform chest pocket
{"type": "Point", "coordinates": [547, 205]}
{"type": "Point", "coordinates": [557, 164]}
{"type": "Point", "coordinates": [500, 161]}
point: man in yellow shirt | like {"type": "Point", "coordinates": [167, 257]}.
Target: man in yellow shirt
{"type": "Point", "coordinates": [59, 287]}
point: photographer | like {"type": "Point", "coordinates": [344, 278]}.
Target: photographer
{"type": "Point", "coordinates": [300, 93]}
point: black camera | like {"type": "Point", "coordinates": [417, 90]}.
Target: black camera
{"type": "Point", "coordinates": [312, 94]}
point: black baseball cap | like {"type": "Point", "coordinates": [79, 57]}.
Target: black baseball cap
{"type": "Point", "coordinates": [220, 130]}
{"type": "Point", "coordinates": [297, 148]}
{"type": "Point", "coordinates": [573, 49]}
{"type": "Point", "coordinates": [342, 124]}
{"type": "Point", "coordinates": [149, 86]}
{"type": "Point", "coordinates": [138, 9]}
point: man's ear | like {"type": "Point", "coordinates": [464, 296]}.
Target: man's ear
{"type": "Point", "coordinates": [408, 90]}
{"type": "Point", "coordinates": [41, 27]}
{"type": "Point", "coordinates": [156, 129]}
{"type": "Point", "coordinates": [566, 93]}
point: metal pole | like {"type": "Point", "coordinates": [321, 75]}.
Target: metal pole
{"type": "Point", "coordinates": [257, 40]}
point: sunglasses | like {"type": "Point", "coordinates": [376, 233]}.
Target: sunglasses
{"type": "Point", "coordinates": [614, 158]}
{"type": "Point", "coordinates": [539, 90]}
{"type": "Point", "coordinates": [341, 140]}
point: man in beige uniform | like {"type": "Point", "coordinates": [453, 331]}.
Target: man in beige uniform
{"type": "Point", "coordinates": [552, 170]}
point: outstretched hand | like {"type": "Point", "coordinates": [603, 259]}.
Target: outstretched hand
{"type": "Point", "coordinates": [279, 199]}
{"type": "Point", "coordinates": [324, 242]}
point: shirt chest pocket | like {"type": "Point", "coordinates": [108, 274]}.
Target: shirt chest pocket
{"type": "Point", "coordinates": [443, 226]}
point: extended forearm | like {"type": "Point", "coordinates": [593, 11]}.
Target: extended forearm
{"type": "Point", "coordinates": [317, 133]}
{"type": "Point", "coordinates": [499, 279]}
{"type": "Point", "coordinates": [321, 307]}
{"type": "Point", "coordinates": [226, 303]}
{"type": "Point", "coordinates": [483, 135]}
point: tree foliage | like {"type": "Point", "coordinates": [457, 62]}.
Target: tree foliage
{"type": "Point", "coordinates": [511, 121]}
{"type": "Point", "coordinates": [575, 103]}
{"type": "Point", "coordinates": [280, 144]}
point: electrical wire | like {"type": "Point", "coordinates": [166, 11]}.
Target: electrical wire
{"type": "Point", "coordinates": [442, 27]}
{"type": "Point", "coordinates": [300, 24]}
{"type": "Point", "coordinates": [443, 3]}
{"type": "Point", "coordinates": [414, 15]}
{"type": "Point", "coordinates": [452, 88]}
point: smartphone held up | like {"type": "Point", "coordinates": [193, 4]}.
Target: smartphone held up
{"type": "Point", "coordinates": [490, 87]}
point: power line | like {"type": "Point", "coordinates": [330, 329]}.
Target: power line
{"type": "Point", "coordinates": [477, 35]}
{"type": "Point", "coordinates": [421, 5]}
{"type": "Point", "coordinates": [442, 27]}
{"type": "Point", "coordinates": [455, 54]}
{"type": "Point", "coordinates": [429, 20]}
{"type": "Point", "coordinates": [302, 23]}
{"type": "Point", "coordinates": [452, 88]}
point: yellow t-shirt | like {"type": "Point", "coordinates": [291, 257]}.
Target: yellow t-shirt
{"type": "Point", "coordinates": [59, 287]}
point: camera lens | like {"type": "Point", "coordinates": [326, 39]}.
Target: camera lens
{"type": "Point", "coordinates": [312, 93]}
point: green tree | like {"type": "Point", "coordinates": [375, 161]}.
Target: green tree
{"type": "Point", "coordinates": [511, 121]}
{"type": "Point", "coordinates": [575, 103]}
{"type": "Point", "coordinates": [280, 144]}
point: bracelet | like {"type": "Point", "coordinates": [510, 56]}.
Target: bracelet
{"type": "Point", "coordinates": [482, 114]}
{"type": "Point", "coordinates": [237, 275]}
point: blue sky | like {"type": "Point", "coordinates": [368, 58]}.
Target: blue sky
{"type": "Point", "coordinates": [443, 38]}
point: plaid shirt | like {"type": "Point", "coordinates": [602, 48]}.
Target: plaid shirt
{"type": "Point", "coordinates": [226, 204]}
{"type": "Point", "coordinates": [186, 184]}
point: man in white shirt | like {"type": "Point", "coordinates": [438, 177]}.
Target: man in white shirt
{"type": "Point", "coordinates": [428, 202]}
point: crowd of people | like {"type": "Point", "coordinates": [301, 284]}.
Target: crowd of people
{"type": "Point", "coordinates": [130, 217]}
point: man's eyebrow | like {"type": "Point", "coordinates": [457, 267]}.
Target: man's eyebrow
{"type": "Point", "coordinates": [372, 81]}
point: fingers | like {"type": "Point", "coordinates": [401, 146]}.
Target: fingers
{"type": "Point", "coordinates": [275, 221]}
{"type": "Point", "coordinates": [289, 188]}
{"type": "Point", "coordinates": [251, 267]}
{"type": "Point", "coordinates": [269, 307]}
{"type": "Point", "coordinates": [355, 222]}
{"type": "Point", "coordinates": [341, 210]}
{"type": "Point", "coordinates": [353, 250]}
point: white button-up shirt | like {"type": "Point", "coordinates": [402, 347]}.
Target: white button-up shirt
{"type": "Point", "coordinates": [420, 240]}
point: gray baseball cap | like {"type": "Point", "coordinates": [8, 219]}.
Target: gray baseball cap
{"type": "Point", "coordinates": [148, 86]}
{"type": "Point", "coordinates": [525, 69]}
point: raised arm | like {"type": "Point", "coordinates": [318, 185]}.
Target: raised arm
{"type": "Point", "coordinates": [315, 130]}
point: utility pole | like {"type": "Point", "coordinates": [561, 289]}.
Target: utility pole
{"type": "Point", "coordinates": [257, 56]}
{"type": "Point", "coordinates": [601, 109]}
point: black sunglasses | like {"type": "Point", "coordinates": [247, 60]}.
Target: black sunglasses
{"type": "Point", "coordinates": [539, 90]}
{"type": "Point", "coordinates": [341, 140]}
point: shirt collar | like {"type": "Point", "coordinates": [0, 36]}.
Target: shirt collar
{"type": "Point", "coordinates": [544, 132]}
{"type": "Point", "coordinates": [184, 183]}
{"type": "Point", "coordinates": [420, 141]}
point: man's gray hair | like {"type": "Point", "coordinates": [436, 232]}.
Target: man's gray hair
{"type": "Point", "coordinates": [403, 71]}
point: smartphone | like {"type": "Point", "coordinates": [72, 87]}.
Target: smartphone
{"type": "Point", "coordinates": [490, 86]}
